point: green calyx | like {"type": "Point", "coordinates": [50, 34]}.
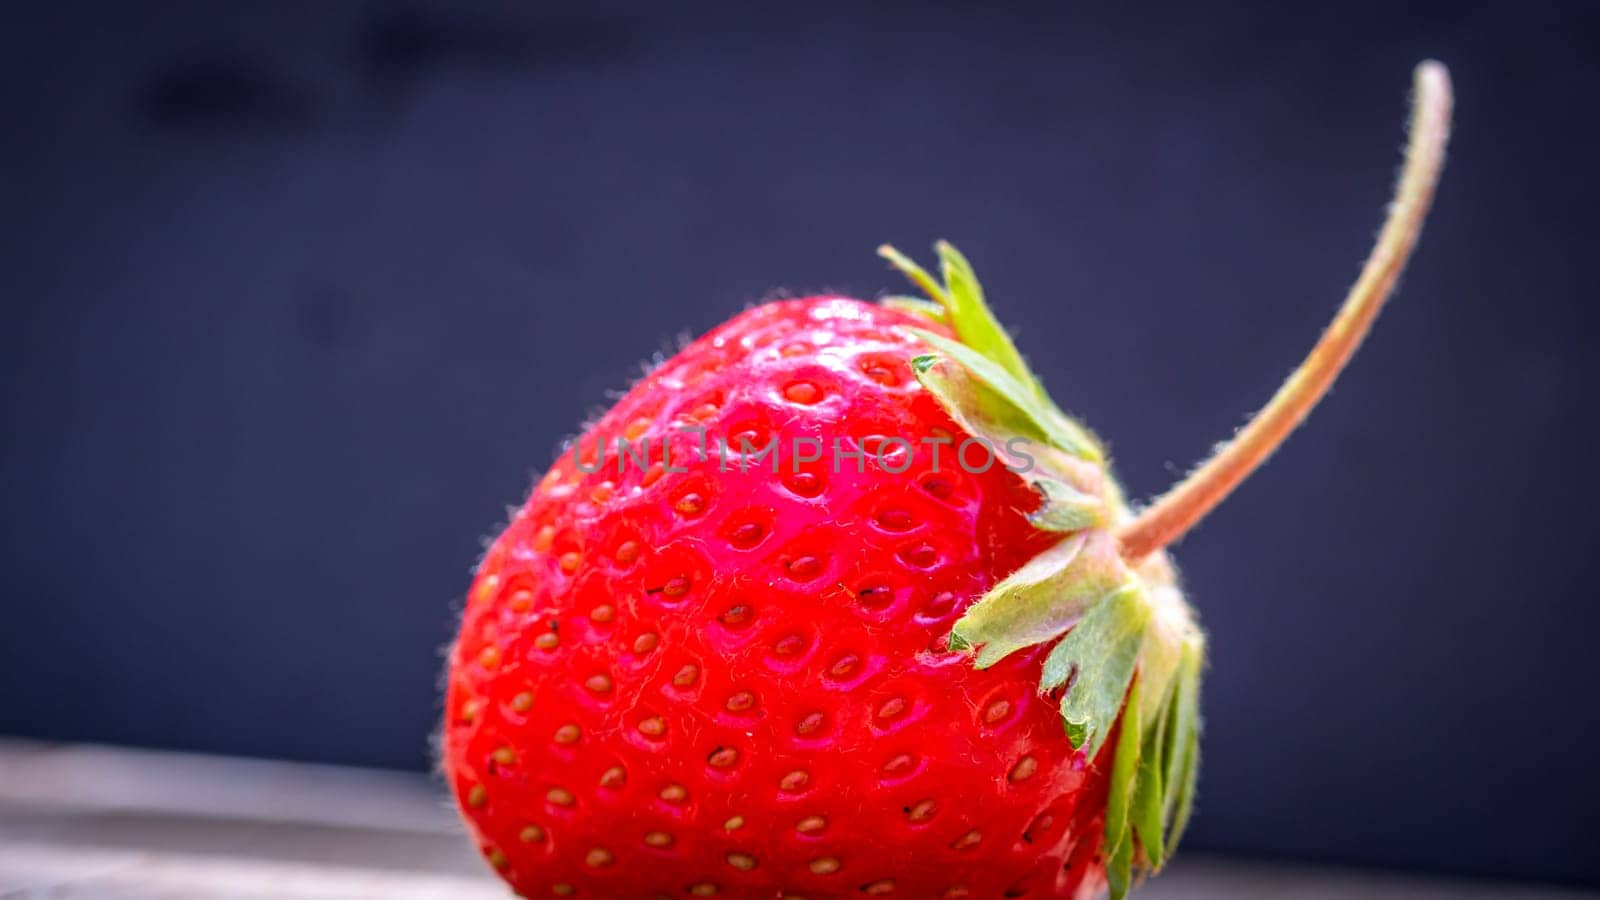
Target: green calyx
{"type": "Point", "coordinates": [1127, 654]}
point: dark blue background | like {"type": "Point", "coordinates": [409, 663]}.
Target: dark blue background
{"type": "Point", "coordinates": [298, 296]}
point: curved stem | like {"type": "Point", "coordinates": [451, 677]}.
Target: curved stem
{"type": "Point", "coordinates": [1179, 509]}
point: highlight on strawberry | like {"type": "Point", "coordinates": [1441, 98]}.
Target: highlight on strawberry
{"type": "Point", "coordinates": [839, 602]}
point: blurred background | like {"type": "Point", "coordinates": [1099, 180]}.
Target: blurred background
{"type": "Point", "coordinates": [299, 296]}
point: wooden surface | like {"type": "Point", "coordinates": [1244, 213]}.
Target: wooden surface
{"type": "Point", "coordinates": [92, 822]}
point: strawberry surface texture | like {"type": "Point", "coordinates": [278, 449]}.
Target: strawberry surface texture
{"type": "Point", "coordinates": [730, 681]}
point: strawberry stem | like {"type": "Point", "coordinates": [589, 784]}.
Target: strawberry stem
{"type": "Point", "coordinates": [1169, 517]}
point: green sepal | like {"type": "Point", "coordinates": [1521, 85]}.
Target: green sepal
{"type": "Point", "coordinates": [1041, 600]}
{"type": "Point", "coordinates": [971, 403]}
{"type": "Point", "coordinates": [984, 347]}
{"type": "Point", "coordinates": [917, 274]}
{"type": "Point", "coordinates": [1159, 656]}
{"type": "Point", "coordinates": [917, 306]}
{"type": "Point", "coordinates": [1183, 746]}
{"type": "Point", "coordinates": [1009, 398]}
{"type": "Point", "coordinates": [1148, 794]}
{"type": "Point", "coordinates": [1105, 644]}
{"type": "Point", "coordinates": [1063, 507]}
{"type": "Point", "coordinates": [973, 322]}
{"type": "Point", "coordinates": [1147, 814]}
{"type": "Point", "coordinates": [1124, 769]}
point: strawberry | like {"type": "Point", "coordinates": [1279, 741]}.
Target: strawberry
{"type": "Point", "coordinates": [837, 602]}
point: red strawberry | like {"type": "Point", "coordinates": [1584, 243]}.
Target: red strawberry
{"type": "Point", "coordinates": [684, 671]}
